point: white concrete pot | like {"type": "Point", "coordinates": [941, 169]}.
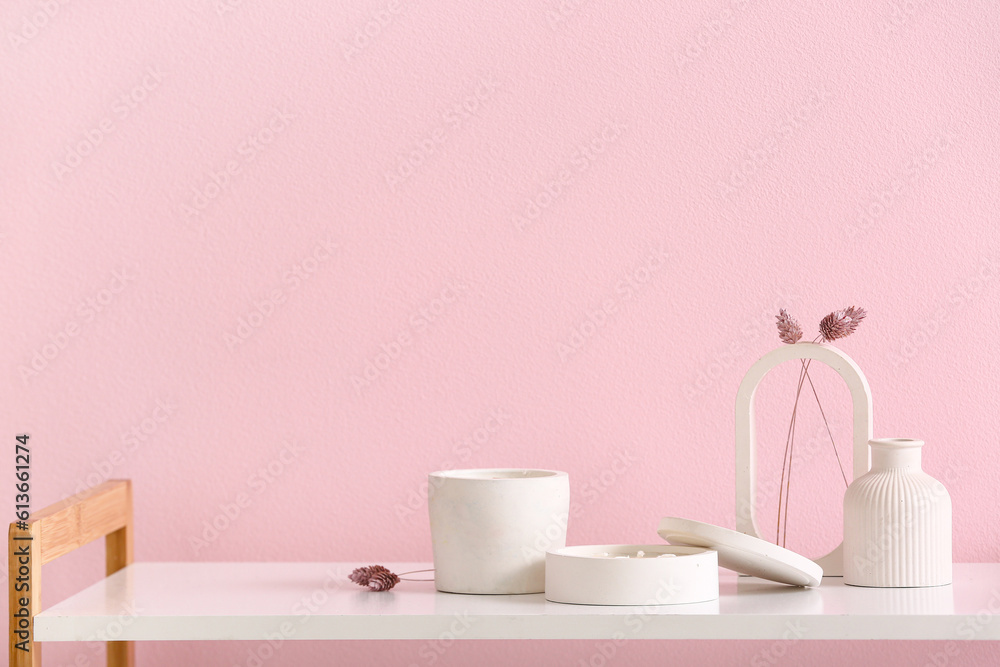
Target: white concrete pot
{"type": "Point", "coordinates": [490, 528]}
{"type": "Point", "coordinates": [897, 521]}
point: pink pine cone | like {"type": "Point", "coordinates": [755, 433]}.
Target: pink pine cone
{"type": "Point", "coordinates": [382, 581]}
{"type": "Point", "coordinates": [789, 330]}
{"type": "Point", "coordinates": [362, 575]}
{"type": "Point", "coordinates": [841, 323]}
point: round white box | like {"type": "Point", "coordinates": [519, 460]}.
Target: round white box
{"type": "Point", "coordinates": [582, 575]}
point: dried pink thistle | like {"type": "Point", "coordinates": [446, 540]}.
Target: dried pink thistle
{"type": "Point", "coordinates": [362, 575]}
{"type": "Point", "coordinates": [383, 581]}
{"type": "Point", "coordinates": [841, 323]}
{"type": "Point", "coordinates": [379, 578]}
{"type": "Point", "coordinates": [837, 324]}
{"type": "Point", "coordinates": [789, 330]}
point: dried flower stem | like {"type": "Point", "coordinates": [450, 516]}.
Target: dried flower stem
{"type": "Point", "coordinates": [838, 324]}
{"type": "Point", "coordinates": [790, 445]}
{"type": "Point", "coordinates": [827, 423]}
{"type": "Point", "coordinates": [378, 578]}
{"type": "Point", "coordinates": [788, 489]}
{"type": "Point", "coordinates": [786, 461]}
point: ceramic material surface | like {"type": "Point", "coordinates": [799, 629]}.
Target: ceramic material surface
{"type": "Point", "coordinates": [897, 521]}
{"type": "Point", "coordinates": [490, 528]}
{"type": "Point", "coordinates": [746, 437]}
{"type": "Point", "coordinates": [743, 553]}
{"type": "Point", "coordinates": [583, 575]}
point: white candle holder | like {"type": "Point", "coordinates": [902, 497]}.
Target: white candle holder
{"type": "Point", "coordinates": [490, 528]}
{"type": "Point", "coordinates": [615, 575]}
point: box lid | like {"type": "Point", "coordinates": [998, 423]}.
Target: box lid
{"type": "Point", "coordinates": [743, 553]}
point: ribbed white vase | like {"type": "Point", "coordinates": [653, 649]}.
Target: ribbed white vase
{"type": "Point", "coordinates": [897, 521]}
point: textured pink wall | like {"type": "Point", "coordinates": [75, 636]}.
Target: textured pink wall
{"type": "Point", "coordinates": [351, 243]}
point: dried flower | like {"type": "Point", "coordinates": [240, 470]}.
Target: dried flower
{"type": "Point", "coordinates": [841, 323]}
{"type": "Point", "coordinates": [379, 578]}
{"type": "Point", "coordinates": [362, 575]}
{"type": "Point", "coordinates": [789, 330]}
{"type": "Point", "coordinates": [382, 581]}
{"type": "Point", "coordinates": [837, 324]}
{"type": "Point", "coordinates": [856, 315]}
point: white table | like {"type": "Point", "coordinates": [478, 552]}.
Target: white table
{"type": "Point", "coordinates": [252, 601]}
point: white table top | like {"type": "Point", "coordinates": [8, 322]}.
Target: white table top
{"type": "Point", "coordinates": [224, 601]}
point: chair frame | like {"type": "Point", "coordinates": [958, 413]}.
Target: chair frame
{"type": "Point", "coordinates": [102, 511]}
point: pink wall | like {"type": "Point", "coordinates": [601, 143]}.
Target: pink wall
{"type": "Point", "coordinates": [566, 225]}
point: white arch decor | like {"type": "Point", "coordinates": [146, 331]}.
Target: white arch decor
{"type": "Point", "coordinates": [746, 436]}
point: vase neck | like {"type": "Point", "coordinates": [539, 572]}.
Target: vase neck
{"type": "Point", "coordinates": [892, 455]}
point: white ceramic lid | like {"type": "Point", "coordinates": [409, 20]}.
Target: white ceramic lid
{"type": "Point", "coordinates": [743, 553]}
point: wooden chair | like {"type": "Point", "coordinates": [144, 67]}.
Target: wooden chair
{"type": "Point", "coordinates": [103, 511]}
